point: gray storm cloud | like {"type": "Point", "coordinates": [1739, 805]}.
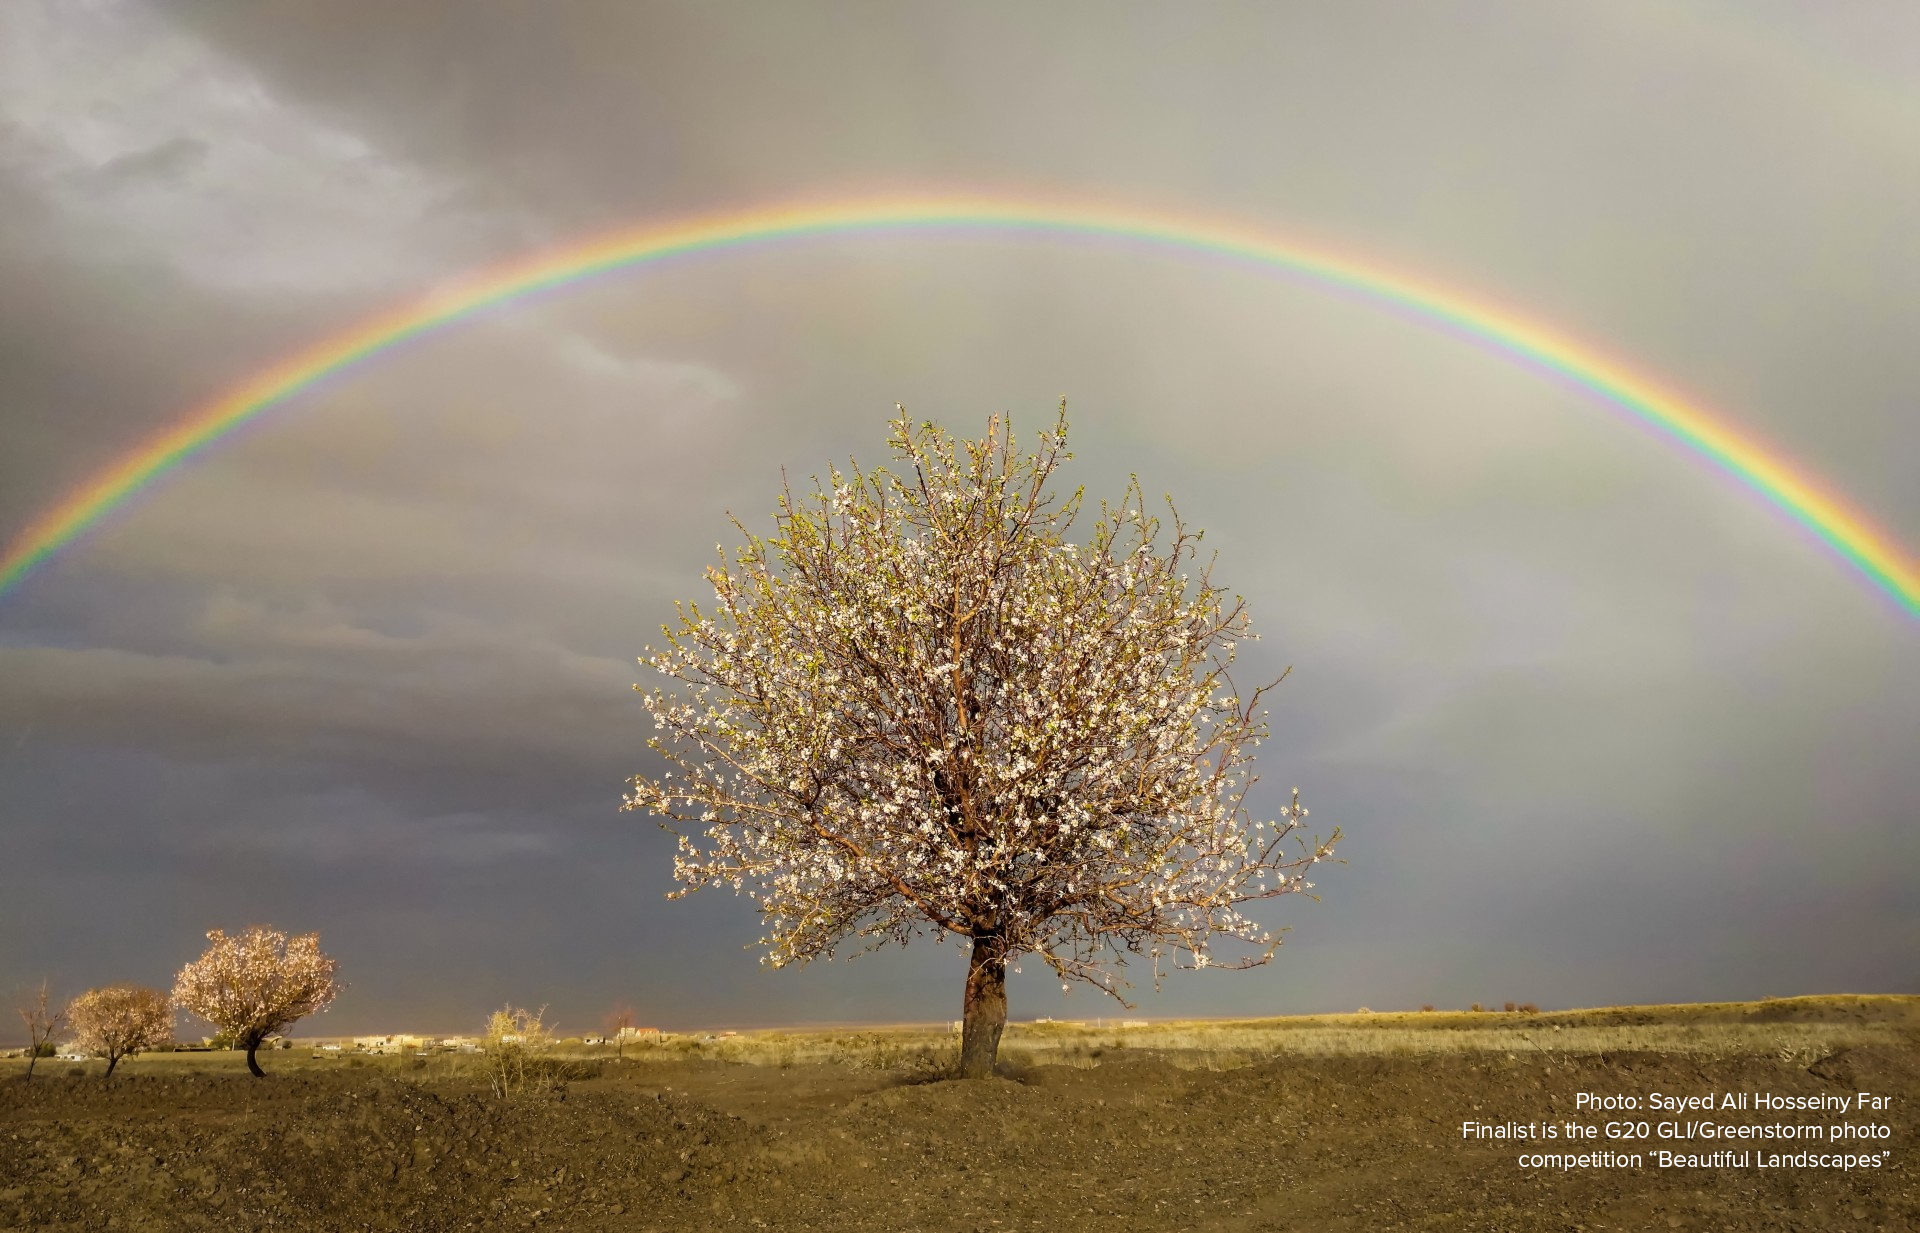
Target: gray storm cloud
{"type": "Point", "coordinates": [1602, 725]}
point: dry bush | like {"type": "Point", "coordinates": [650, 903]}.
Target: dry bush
{"type": "Point", "coordinates": [518, 1057]}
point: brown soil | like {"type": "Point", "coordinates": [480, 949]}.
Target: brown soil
{"type": "Point", "coordinates": [1325, 1143]}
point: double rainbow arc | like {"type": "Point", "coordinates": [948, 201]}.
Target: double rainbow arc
{"type": "Point", "coordinates": [1686, 424]}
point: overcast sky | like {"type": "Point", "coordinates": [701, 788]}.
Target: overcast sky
{"type": "Point", "coordinates": [1601, 725]}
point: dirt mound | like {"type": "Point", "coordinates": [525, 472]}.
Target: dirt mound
{"type": "Point", "coordinates": [322, 1152]}
{"type": "Point", "coordinates": [1294, 1143]}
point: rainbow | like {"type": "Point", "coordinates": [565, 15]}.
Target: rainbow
{"type": "Point", "coordinates": [1641, 400]}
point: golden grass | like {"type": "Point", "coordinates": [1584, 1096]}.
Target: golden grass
{"type": "Point", "coordinates": [1793, 1030]}
{"type": "Point", "coordinates": [1787, 1028]}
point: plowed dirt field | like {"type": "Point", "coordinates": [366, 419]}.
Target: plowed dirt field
{"type": "Point", "coordinates": [1129, 1140]}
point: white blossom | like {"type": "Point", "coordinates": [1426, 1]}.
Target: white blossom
{"type": "Point", "coordinates": [918, 707]}
{"type": "Point", "coordinates": [119, 1021]}
{"type": "Point", "coordinates": [256, 983]}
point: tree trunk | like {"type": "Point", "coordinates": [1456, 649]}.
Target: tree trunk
{"type": "Point", "coordinates": [253, 1066]}
{"type": "Point", "coordinates": [33, 1058]}
{"type": "Point", "coordinates": [113, 1059]}
{"type": "Point", "coordinates": [985, 1013]}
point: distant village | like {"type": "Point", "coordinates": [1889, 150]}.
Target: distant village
{"type": "Point", "coordinates": [417, 1044]}
{"type": "Point", "coordinates": [408, 1043]}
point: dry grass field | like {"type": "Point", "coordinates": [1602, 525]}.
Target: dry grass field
{"type": "Point", "coordinates": [1304, 1123]}
{"type": "Point", "coordinates": [1788, 1026]}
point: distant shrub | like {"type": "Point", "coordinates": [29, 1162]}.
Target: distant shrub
{"type": "Point", "coordinates": [1476, 1008]}
{"type": "Point", "coordinates": [1427, 1007]}
{"type": "Point", "coordinates": [1511, 1008]}
{"type": "Point", "coordinates": [519, 1059]}
{"type": "Point", "coordinates": [1528, 1008]}
{"type": "Point", "coordinates": [45, 1049]}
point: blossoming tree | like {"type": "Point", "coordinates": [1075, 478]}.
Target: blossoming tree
{"type": "Point", "coordinates": [119, 1021]}
{"type": "Point", "coordinates": [256, 984]}
{"type": "Point", "coordinates": [919, 708]}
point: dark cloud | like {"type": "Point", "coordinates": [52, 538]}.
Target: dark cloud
{"type": "Point", "coordinates": [1601, 725]}
{"type": "Point", "coordinates": [170, 159]}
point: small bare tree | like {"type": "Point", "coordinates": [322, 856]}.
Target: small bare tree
{"type": "Point", "coordinates": [43, 1018]}
{"type": "Point", "coordinates": [119, 1021]}
{"type": "Point", "coordinates": [256, 984]}
{"type": "Point", "coordinates": [619, 1025]}
{"type": "Point", "coordinates": [920, 708]}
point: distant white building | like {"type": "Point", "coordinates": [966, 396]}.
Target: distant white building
{"type": "Point", "coordinates": [396, 1042]}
